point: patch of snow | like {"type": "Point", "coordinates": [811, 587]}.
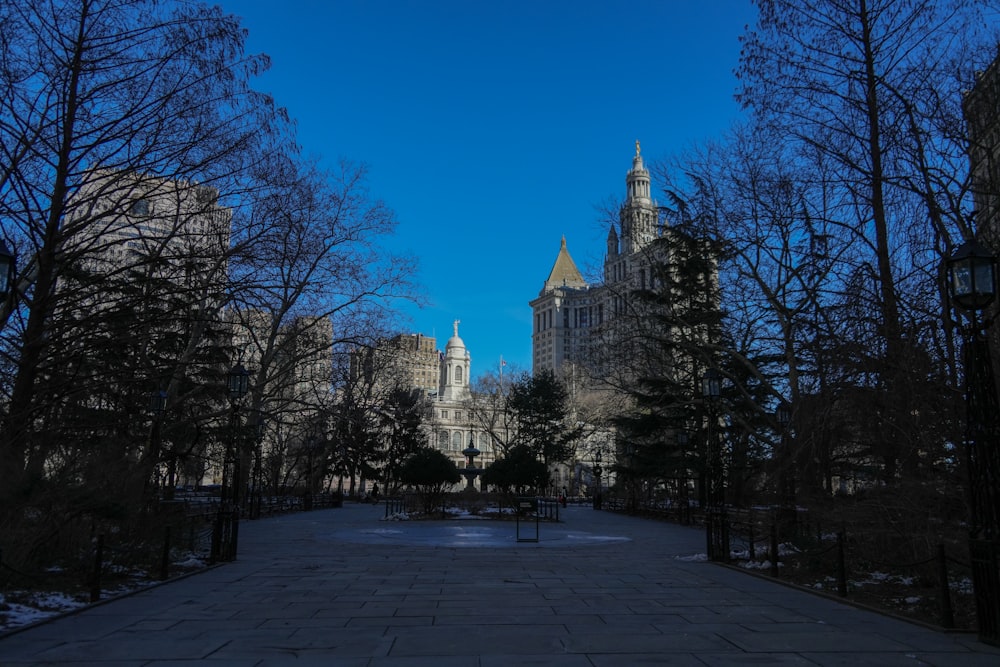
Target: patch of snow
{"type": "Point", "coordinates": [759, 565]}
{"type": "Point", "coordinates": [191, 561]}
{"type": "Point", "coordinates": [963, 585]}
{"type": "Point", "coordinates": [35, 607]}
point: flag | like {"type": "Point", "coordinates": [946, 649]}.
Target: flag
{"type": "Point", "coordinates": [502, 362]}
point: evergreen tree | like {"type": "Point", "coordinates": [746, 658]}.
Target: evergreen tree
{"type": "Point", "coordinates": [540, 407]}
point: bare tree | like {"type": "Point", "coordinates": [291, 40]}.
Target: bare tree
{"type": "Point", "coordinates": [855, 92]}
{"type": "Point", "coordinates": [131, 87]}
{"type": "Point", "coordinates": [488, 408]}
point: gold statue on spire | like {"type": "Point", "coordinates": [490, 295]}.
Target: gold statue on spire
{"type": "Point", "coordinates": [637, 148]}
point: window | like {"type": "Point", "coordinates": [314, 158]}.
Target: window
{"type": "Point", "coordinates": [443, 440]}
{"type": "Point", "coordinates": [458, 375]}
{"type": "Point", "coordinates": [458, 415]}
{"type": "Point", "coordinates": [456, 441]}
{"type": "Point", "coordinates": [139, 207]}
{"type": "Point", "coordinates": [444, 414]}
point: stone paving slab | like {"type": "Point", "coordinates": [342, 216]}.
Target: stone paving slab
{"type": "Point", "coordinates": [340, 587]}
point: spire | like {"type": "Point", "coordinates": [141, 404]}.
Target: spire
{"type": "Point", "coordinates": [564, 272]}
{"type": "Point", "coordinates": [637, 218]}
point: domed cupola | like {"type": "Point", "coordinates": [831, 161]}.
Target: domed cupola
{"type": "Point", "coordinates": [637, 179]}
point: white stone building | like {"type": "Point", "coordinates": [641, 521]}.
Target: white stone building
{"type": "Point", "coordinates": [572, 318]}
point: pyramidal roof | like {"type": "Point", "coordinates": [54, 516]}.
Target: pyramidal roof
{"type": "Point", "coordinates": [564, 272]}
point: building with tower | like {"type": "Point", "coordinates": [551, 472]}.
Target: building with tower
{"type": "Point", "coordinates": [574, 321]}
{"type": "Point", "coordinates": [411, 360]}
{"type": "Point", "coordinates": [452, 425]}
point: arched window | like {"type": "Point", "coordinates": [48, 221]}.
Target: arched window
{"type": "Point", "coordinates": [443, 440]}
{"type": "Point", "coordinates": [458, 375]}
{"type": "Point", "coordinates": [456, 441]}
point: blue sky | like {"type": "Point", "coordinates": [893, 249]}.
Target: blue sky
{"type": "Point", "coordinates": [493, 129]}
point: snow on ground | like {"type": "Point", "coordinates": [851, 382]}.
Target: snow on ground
{"type": "Point", "coordinates": [33, 607]}
{"type": "Point", "coordinates": [23, 607]}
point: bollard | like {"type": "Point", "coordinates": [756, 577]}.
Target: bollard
{"type": "Point", "coordinates": [947, 615]}
{"type": "Point", "coordinates": [95, 582]}
{"type": "Point", "coordinates": [841, 566]}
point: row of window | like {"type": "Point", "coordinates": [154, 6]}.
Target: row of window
{"type": "Point", "coordinates": [457, 441]}
{"type": "Point", "coordinates": [543, 320]}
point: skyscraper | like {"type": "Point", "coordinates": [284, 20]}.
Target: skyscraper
{"type": "Point", "coordinates": [572, 318]}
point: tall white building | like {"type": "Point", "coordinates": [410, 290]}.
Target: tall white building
{"type": "Point", "coordinates": [572, 318]}
{"type": "Point", "coordinates": [176, 229]}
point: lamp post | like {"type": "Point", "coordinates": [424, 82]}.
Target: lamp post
{"type": "Point", "coordinates": [788, 515]}
{"type": "Point", "coordinates": [598, 498]}
{"type": "Point", "coordinates": [971, 273]}
{"type": "Point", "coordinates": [225, 537]}
{"type": "Point", "coordinates": [716, 521]}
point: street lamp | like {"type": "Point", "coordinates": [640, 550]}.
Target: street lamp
{"type": "Point", "coordinates": [716, 521]}
{"type": "Point", "coordinates": [711, 384]}
{"type": "Point", "coordinates": [971, 272]}
{"type": "Point", "coordinates": [788, 515]}
{"type": "Point", "coordinates": [971, 277]}
{"type": "Point", "coordinates": [227, 524]}
{"type": "Point", "coordinates": [238, 381]}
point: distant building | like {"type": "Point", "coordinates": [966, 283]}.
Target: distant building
{"type": "Point", "coordinates": [174, 229]}
{"type": "Point", "coordinates": [444, 377]}
{"type": "Point", "coordinates": [572, 317]}
{"type": "Point", "coordinates": [981, 106]}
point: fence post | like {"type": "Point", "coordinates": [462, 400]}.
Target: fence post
{"type": "Point", "coordinates": [774, 549]}
{"type": "Point", "coordinates": [841, 566]}
{"type": "Point", "coordinates": [95, 582]}
{"type": "Point", "coordinates": [947, 615]}
{"type": "Point", "coordinates": [165, 555]}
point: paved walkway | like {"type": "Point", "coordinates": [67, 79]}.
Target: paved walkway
{"type": "Point", "coordinates": [341, 588]}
